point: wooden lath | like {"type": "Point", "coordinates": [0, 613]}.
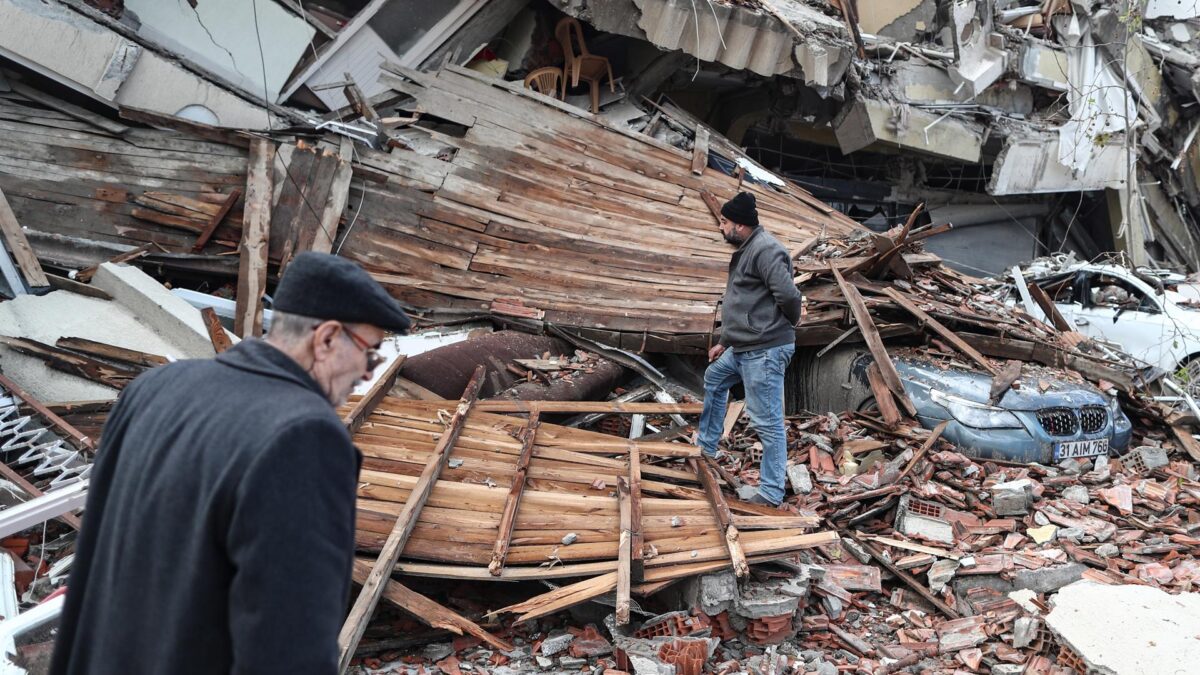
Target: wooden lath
{"type": "Point", "coordinates": [634, 526]}
{"type": "Point", "coordinates": [621, 215]}
{"type": "Point", "coordinates": [364, 606]}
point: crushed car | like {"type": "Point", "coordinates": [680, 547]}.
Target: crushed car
{"type": "Point", "coordinates": [1049, 416]}
{"type": "Point", "coordinates": [1154, 316]}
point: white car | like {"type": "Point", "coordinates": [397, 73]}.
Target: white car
{"type": "Point", "coordinates": [1143, 313]}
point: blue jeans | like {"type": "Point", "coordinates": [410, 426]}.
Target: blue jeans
{"type": "Point", "coordinates": [761, 370]}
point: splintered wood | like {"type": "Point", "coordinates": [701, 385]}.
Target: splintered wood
{"type": "Point", "coordinates": [516, 499]}
{"type": "Point", "coordinates": [591, 225]}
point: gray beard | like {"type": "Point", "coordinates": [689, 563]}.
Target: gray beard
{"type": "Point", "coordinates": [733, 239]}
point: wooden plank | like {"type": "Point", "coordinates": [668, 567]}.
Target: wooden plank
{"type": "Point", "coordinates": [216, 332]}
{"type": "Point", "coordinates": [378, 391]}
{"type": "Point", "coordinates": [862, 316]}
{"type": "Point", "coordinates": [941, 330]}
{"type": "Point", "coordinates": [933, 436]}
{"type": "Point", "coordinates": [117, 377]}
{"type": "Point", "coordinates": [65, 284]}
{"type": "Point", "coordinates": [1039, 296]}
{"type": "Point", "coordinates": [737, 557]}
{"type": "Point", "coordinates": [1003, 380]}
{"type": "Point", "coordinates": [72, 434]}
{"type": "Point", "coordinates": [624, 552]}
{"type": "Point", "coordinates": [428, 611]}
{"type": "Point", "coordinates": [1008, 348]}
{"type": "Point", "coordinates": [256, 229]}
{"type": "Point", "coordinates": [637, 541]}
{"type": "Point", "coordinates": [188, 127]}
{"type": "Point", "coordinates": [714, 206]}
{"type": "Point", "coordinates": [732, 414]}
{"type": "Point", "coordinates": [364, 605]}
{"type": "Point", "coordinates": [18, 245]}
{"type": "Point", "coordinates": [85, 275]}
{"type": "Point", "coordinates": [609, 407]}
{"type": "Point", "coordinates": [573, 594]}
{"type": "Point", "coordinates": [700, 151]}
{"type": "Point", "coordinates": [912, 546]}
{"type": "Point", "coordinates": [69, 109]}
{"type": "Point", "coordinates": [335, 202]}
{"type": "Point", "coordinates": [508, 517]}
{"type": "Point", "coordinates": [113, 352]}
{"type": "Point", "coordinates": [883, 396]}
{"type": "Point", "coordinates": [215, 221]}
{"type": "Point", "coordinates": [908, 579]}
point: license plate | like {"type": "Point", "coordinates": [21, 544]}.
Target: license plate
{"type": "Point", "coordinates": [1072, 449]}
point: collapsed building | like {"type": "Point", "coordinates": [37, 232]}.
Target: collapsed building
{"type": "Point", "coordinates": [1033, 127]}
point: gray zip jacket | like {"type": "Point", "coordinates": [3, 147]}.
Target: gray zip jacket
{"type": "Point", "coordinates": [762, 305]}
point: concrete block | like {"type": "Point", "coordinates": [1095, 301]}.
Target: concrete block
{"type": "Point", "coordinates": [1145, 459]}
{"type": "Point", "coordinates": [717, 592]}
{"type": "Point", "coordinates": [940, 574]}
{"type": "Point", "coordinates": [60, 314]}
{"type": "Point", "coordinates": [917, 518]}
{"type": "Point", "coordinates": [1076, 493]}
{"type": "Point", "coordinates": [1044, 580]}
{"type": "Point", "coordinates": [1128, 630]}
{"type": "Point", "coordinates": [868, 121]}
{"type": "Point", "coordinates": [556, 644]}
{"type": "Point", "coordinates": [1071, 534]}
{"type": "Point", "coordinates": [758, 600]}
{"type": "Point", "coordinates": [1108, 550]}
{"type": "Point", "coordinates": [1028, 164]}
{"type": "Point", "coordinates": [799, 478]}
{"type": "Point", "coordinates": [1043, 65]}
{"type": "Point", "coordinates": [900, 19]}
{"type": "Point", "coordinates": [1025, 631]}
{"type": "Point", "coordinates": [1012, 498]}
{"type": "Point", "coordinates": [980, 58]}
{"type": "Point", "coordinates": [157, 308]}
{"type": "Point", "coordinates": [1008, 669]}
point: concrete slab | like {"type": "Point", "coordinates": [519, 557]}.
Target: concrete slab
{"type": "Point", "coordinates": [1043, 65]}
{"type": "Point", "coordinates": [1029, 164]}
{"type": "Point", "coordinates": [868, 121]}
{"type": "Point", "coordinates": [168, 315]}
{"type": "Point", "coordinates": [1128, 630]}
{"type": "Point", "coordinates": [64, 314]}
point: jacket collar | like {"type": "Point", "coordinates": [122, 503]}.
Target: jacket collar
{"type": "Point", "coordinates": [256, 356]}
{"type": "Point", "coordinates": [746, 244]}
{"type": "Point", "coordinates": [757, 231]}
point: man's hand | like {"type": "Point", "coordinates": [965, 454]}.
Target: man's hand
{"type": "Point", "coordinates": [715, 353]}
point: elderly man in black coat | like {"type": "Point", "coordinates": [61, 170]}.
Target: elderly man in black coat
{"type": "Point", "coordinates": [219, 530]}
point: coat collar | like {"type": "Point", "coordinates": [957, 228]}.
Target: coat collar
{"type": "Point", "coordinates": [256, 356]}
{"type": "Point", "coordinates": [744, 245]}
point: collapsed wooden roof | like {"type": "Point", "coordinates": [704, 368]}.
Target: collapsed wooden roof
{"type": "Point", "coordinates": [584, 223]}
{"type": "Point", "coordinates": [506, 494]}
{"type": "Point", "coordinates": [517, 205]}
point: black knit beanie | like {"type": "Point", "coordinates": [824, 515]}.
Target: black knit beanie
{"type": "Point", "coordinates": [741, 210]}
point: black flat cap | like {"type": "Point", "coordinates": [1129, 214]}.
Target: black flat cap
{"type": "Point", "coordinates": [329, 287]}
{"type": "Point", "coordinates": [742, 209]}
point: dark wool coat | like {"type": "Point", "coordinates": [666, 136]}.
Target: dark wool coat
{"type": "Point", "coordinates": [219, 530]}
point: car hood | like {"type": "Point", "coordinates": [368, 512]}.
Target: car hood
{"type": "Point", "coordinates": [1038, 389]}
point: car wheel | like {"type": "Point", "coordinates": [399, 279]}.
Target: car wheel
{"type": "Point", "coordinates": [835, 382]}
{"type": "Point", "coordinates": [870, 406]}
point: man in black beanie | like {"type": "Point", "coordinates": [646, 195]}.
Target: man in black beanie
{"type": "Point", "coordinates": [758, 315]}
{"type": "Point", "coordinates": [219, 530]}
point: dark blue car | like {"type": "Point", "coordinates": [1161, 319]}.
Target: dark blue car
{"type": "Point", "coordinates": [1047, 419]}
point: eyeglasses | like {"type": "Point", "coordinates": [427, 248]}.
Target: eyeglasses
{"type": "Point", "coordinates": [374, 358]}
